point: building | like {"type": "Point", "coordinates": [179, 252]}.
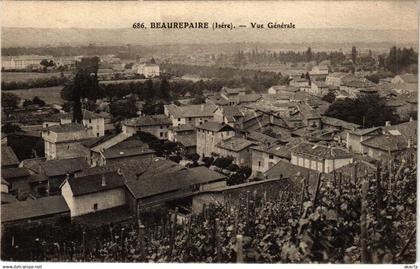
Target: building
{"type": "Point", "coordinates": [18, 179]}
{"type": "Point", "coordinates": [232, 94]}
{"type": "Point", "coordinates": [353, 86]}
{"type": "Point", "coordinates": [355, 137]}
{"type": "Point", "coordinates": [319, 88]}
{"type": "Point", "coordinates": [93, 193]}
{"type": "Point", "coordinates": [282, 89]}
{"type": "Point", "coordinates": [211, 133]}
{"type": "Point", "coordinates": [319, 71]}
{"type": "Point", "coordinates": [8, 157]}
{"type": "Point", "coordinates": [65, 141]}
{"type": "Point", "coordinates": [156, 125]}
{"type": "Point", "coordinates": [186, 135]}
{"type": "Point", "coordinates": [148, 70]}
{"type": "Point", "coordinates": [230, 115]}
{"type": "Point", "coordinates": [129, 149]}
{"type": "Point", "coordinates": [191, 114]}
{"type": "Point", "coordinates": [91, 120]}
{"type": "Point", "coordinates": [299, 82]}
{"type": "Point", "coordinates": [264, 157]}
{"type": "Point", "coordinates": [165, 183]}
{"type": "Point", "coordinates": [319, 157]}
{"type": "Point", "coordinates": [336, 78]}
{"type": "Point", "coordinates": [238, 148]}
{"type": "Point", "coordinates": [23, 62]}
{"type": "Point", "coordinates": [32, 213]}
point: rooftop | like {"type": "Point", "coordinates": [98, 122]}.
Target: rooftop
{"type": "Point", "coordinates": [215, 127]}
{"type": "Point", "coordinates": [201, 110]}
{"type": "Point", "coordinates": [233, 91]}
{"type": "Point", "coordinates": [14, 172]}
{"type": "Point", "coordinates": [93, 183]}
{"type": "Point", "coordinates": [29, 209]}
{"type": "Point", "coordinates": [8, 156]}
{"type": "Point", "coordinates": [66, 128]}
{"type": "Point", "coordinates": [339, 123]}
{"type": "Point", "coordinates": [235, 144]}
{"type": "Point", "coordinates": [277, 150]}
{"type": "Point", "coordinates": [390, 143]}
{"type": "Point", "coordinates": [53, 168]}
{"type": "Point", "coordinates": [149, 120]}
{"type": "Point", "coordinates": [321, 151]}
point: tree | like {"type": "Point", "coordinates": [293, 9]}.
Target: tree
{"type": "Point", "coordinates": [164, 90]}
{"type": "Point", "coordinates": [38, 101]}
{"type": "Point", "coordinates": [149, 92]}
{"type": "Point", "coordinates": [9, 100]}
{"type": "Point", "coordinates": [208, 161]}
{"type": "Point", "coordinates": [223, 162]}
{"type": "Point", "coordinates": [368, 110]}
{"type": "Point", "coordinates": [10, 128]}
{"type": "Point", "coordinates": [329, 97]}
{"type": "Point", "coordinates": [27, 102]}
{"type": "Point", "coordinates": [354, 54]}
{"type": "Point", "coordinates": [309, 55]}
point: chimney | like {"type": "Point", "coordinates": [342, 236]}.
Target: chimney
{"type": "Point", "coordinates": [103, 184]}
{"type": "Point", "coordinates": [387, 123]}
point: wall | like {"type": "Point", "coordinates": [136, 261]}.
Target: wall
{"type": "Point", "coordinates": [97, 125]}
{"type": "Point", "coordinates": [83, 204]}
{"type": "Point", "coordinates": [206, 140]}
{"type": "Point", "coordinates": [160, 131]}
{"type": "Point", "coordinates": [261, 162]}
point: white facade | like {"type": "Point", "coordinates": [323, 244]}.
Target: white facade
{"type": "Point", "coordinates": [149, 70]}
{"type": "Point", "coordinates": [207, 140]}
{"type": "Point", "coordinates": [93, 202]}
{"type": "Point", "coordinates": [319, 164]}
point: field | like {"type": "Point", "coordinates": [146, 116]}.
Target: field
{"type": "Point", "coordinates": [22, 76]}
{"type": "Point", "coordinates": [50, 95]}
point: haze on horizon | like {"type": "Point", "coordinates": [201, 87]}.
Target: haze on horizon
{"type": "Point", "coordinates": [367, 15]}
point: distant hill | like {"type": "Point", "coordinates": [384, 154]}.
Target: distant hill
{"type": "Point", "coordinates": [36, 37]}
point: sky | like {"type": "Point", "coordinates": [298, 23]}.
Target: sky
{"type": "Point", "coordinates": [304, 14]}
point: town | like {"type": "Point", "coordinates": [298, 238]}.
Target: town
{"type": "Point", "coordinates": [117, 157]}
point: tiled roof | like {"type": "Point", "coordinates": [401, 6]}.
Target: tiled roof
{"type": "Point", "coordinates": [93, 183]}
{"type": "Point", "coordinates": [215, 127]}
{"type": "Point", "coordinates": [113, 153]}
{"type": "Point", "coordinates": [406, 129]}
{"type": "Point", "coordinates": [187, 140]}
{"type": "Point", "coordinates": [308, 112]}
{"type": "Point", "coordinates": [191, 111]}
{"type": "Point", "coordinates": [61, 167]}
{"type": "Point", "coordinates": [409, 78]}
{"type": "Point", "coordinates": [29, 209]}
{"type": "Point", "coordinates": [235, 144]}
{"type": "Point", "coordinates": [263, 138]}
{"type": "Point", "coordinates": [173, 177]}
{"type": "Point", "coordinates": [320, 151]}
{"type": "Point", "coordinates": [387, 142]}
{"type": "Point", "coordinates": [66, 128]}
{"type": "Point", "coordinates": [183, 127]}
{"type": "Point", "coordinates": [14, 172]}
{"type": "Point", "coordinates": [248, 98]}
{"type": "Point", "coordinates": [366, 131]}
{"type": "Point", "coordinates": [8, 156]}
{"type": "Point", "coordinates": [277, 150]}
{"type": "Point", "coordinates": [233, 91]}
{"type": "Point", "coordinates": [231, 111]}
{"type": "Point", "coordinates": [339, 123]}
{"type": "Point", "coordinates": [357, 83]}
{"type": "Point", "coordinates": [149, 120]}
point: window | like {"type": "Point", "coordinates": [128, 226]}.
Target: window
{"type": "Point", "coordinates": [189, 119]}
{"type": "Point", "coordinates": [46, 125]}
{"type": "Point", "coordinates": [179, 119]}
{"type": "Point", "coordinates": [97, 134]}
{"type": "Point", "coordinates": [95, 207]}
{"type": "Point", "coordinates": [90, 120]}
{"type": "Point", "coordinates": [161, 127]}
{"type": "Point", "coordinates": [161, 134]}
{"type": "Point", "coordinates": [271, 156]}
{"type": "Point", "coordinates": [259, 164]}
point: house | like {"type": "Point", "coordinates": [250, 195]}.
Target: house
{"type": "Point", "coordinates": [355, 137]}
{"type": "Point", "coordinates": [156, 125]}
{"type": "Point", "coordinates": [319, 88]}
{"type": "Point", "coordinates": [353, 86]}
{"type": "Point", "coordinates": [148, 70]}
{"type": "Point", "coordinates": [180, 130]}
{"type": "Point", "coordinates": [190, 114]}
{"type": "Point", "coordinates": [8, 157]}
{"type": "Point", "coordinates": [166, 182]}
{"type": "Point", "coordinates": [129, 149]}
{"type": "Point", "coordinates": [394, 141]}
{"type": "Point", "coordinates": [319, 157]}
{"type": "Point", "coordinates": [32, 213]}
{"type": "Point", "coordinates": [231, 94]}
{"type": "Point", "coordinates": [265, 157]}
{"type": "Point", "coordinates": [211, 133]}
{"type": "Point", "coordinates": [261, 139]}
{"type": "Point", "coordinates": [236, 147]}
{"type": "Point", "coordinates": [91, 120]}
{"type": "Point", "coordinates": [319, 71]}
{"type": "Point", "coordinates": [341, 125]}
{"type": "Point", "coordinates": [23, 62]}
{"type": "Point", "coordinates": [19, 180]}
{"type": "Point", "coordinates": [230, 115]}
{"type": "Point", "coordinates": [93, 193]}
{"type": "Point", "coordinates": [65, 141]}
{"type": "Point", "coordinates": [57, 170]}
{"type": "Point", "coordinates": [247, 99]}
{"type": "Point", "coordinates": [336, 78]}
{"type": "Point", "coordinates": [299, 82]}
{"type": "Point", "coordinates": [310, 117]}
{"type": "Point", "coordinates": [282, 89]}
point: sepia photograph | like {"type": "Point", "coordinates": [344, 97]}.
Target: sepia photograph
{"type": "Point", "coordinates": [219, 132]}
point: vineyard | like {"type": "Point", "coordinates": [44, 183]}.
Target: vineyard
{"type": "Point", "coordinates": [344, 220]}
